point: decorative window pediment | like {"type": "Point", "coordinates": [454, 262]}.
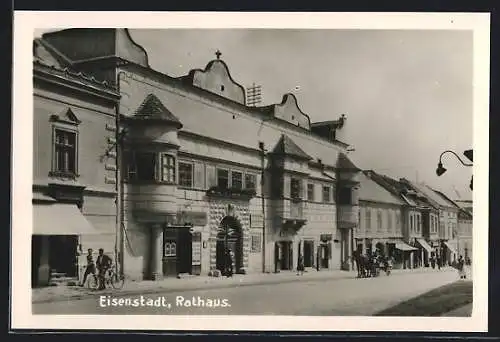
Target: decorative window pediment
{"type": "Point", "coordinates": [67, 116]}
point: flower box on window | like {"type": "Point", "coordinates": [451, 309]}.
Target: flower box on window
{"type": "Point", "coordinates": [231, 192]}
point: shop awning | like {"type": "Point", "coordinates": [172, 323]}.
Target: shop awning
{"type": "Point", "coordinates": [404, 247]}
{"type": "Point", "coordinates": [425, 245]}
{"type": "Point", "coordinates": [450, 247]}
{"type": "Point", "coordinates": [60, 219]}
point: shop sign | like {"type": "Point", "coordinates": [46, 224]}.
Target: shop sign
{"type": "Point", "coordinates": [196, 249]}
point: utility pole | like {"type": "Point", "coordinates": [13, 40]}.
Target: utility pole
{"type": "Point", "coordinates": [263, 172]}
{"type": "Point", "coordinates": [254, 95]}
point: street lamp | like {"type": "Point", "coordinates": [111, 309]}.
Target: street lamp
{"type": "Point", "coordinates": [441, 169]}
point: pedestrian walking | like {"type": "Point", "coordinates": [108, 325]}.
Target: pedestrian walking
{"type": "Point", "coordinates": [229, 263]}
{"type": "Point", "coordinates": [300, 265]}
{"type": "Point", "coordinates": [90, 268]}
{"type": "Point", "coordinates": [460, 267]}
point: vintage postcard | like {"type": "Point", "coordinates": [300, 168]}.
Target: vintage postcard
{"type": "Point", "coordinates": [250, 171]}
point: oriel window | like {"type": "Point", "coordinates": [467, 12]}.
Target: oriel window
{"type": "Point", "coordinates": [65, 152]}
{"type": "Point", "coordinates": [167, 168]}
{"type": "Point", "coordinates": [295, 188]}
{"type": "Point", "coordinates": [145, 164]}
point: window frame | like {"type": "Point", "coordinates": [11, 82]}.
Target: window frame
{"type": "Point", "coordinates": [368, 219]}
{"type": "Point", "coordinates": [191, 164]}
{"type": "Point", "coordinates": [245, 185]}
{"type": "Point", "coordinates": [379, 221]}
{"type": "Point", "coordinates": [171, 168]}
{"type": "Point", "coordinates": [65, 129]}
{"type": "Point", "coordinates": [167, 251]}
{"type": "Point", "coordinates": [310, 194]}
{"type": "Point", "coordinates": [329, 188]}
{"type": "Point", "coordinates": [232, 172]}
{"type": "Point", "coordinates": [217, 169]}
{"type": "Point", "coordinates": [253, 237]}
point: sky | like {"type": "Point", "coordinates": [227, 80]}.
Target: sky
{"type": "Point", "coordinates": [407, 94]}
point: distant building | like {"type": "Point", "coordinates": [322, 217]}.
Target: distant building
{"type": "Point", "coordinates": [420, 223]}
{"type": "Point", "coordinates": [465, 233]}
{"type": "Point", "coordinates": [381, 222]}
{"type": "Point", "coordinates": [199, 171]}
{"type": "Point", "coordinates": [448, 221]}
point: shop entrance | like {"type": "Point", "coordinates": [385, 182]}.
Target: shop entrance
{"type": "Point", "coordinates": [324, 255]}
{"type": "Point", "coordinates": [63, 255]}
{"type": "Point", "coordinates": [308, 253]}
{"type": "Point", "coordinates": [283, 255]}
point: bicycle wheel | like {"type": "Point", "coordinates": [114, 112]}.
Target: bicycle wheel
{"type": "Point", "coordinates": [92, 283]}
{"type": "Point", "coordinates": [117, 281]}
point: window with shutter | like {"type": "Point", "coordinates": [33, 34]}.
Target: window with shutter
{"type": "Point", "coordinates": [199, 175]}
{"type": "Point", "coordinates": [211, 176]}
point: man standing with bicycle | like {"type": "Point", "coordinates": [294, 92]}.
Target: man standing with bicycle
{"type": "Point", "coordinates": [103, 264]}
{"type": "Point", "coordinates": [90, 269]}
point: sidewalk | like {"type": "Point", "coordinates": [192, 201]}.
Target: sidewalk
{"type": "Point", "coordinates": [464, 311]}
{"type": "Point", "coordinates": [63, 293]}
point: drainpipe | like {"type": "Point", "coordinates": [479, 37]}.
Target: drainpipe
{"type": "Point", "coordinates": [263, 165]}
{"type": "Point", "coordinates": [120, 240]}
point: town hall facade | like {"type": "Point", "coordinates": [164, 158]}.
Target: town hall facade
{"type": "Point", "coordinates": [198, 171]}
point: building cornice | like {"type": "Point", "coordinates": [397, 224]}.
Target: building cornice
{"type": "Point", "coordinates": [65, 79]}
{"type": "Point", "coordinates": [253, 111]}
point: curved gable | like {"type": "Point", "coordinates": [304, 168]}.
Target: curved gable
{"type": "Point", "coordinates": [217, 79]}
{"type": "Point", "coordinates": [288, 110]}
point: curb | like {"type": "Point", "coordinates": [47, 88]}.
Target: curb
{"type": "Point", "coordinates": [185, 289]}
{"type": "Point", "coordinates": [201, 287]}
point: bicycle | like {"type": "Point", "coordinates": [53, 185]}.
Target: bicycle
{"type": "Point", "coordinates": [111, 279]}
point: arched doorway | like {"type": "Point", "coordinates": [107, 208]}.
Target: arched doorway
{"type": "Point", "coordinates": [229, 236]}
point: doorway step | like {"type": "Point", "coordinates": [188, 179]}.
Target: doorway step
{"type": "Point", "coordinates": [60, 279]}
{"type": "Point", "coordinates": [185, 276]}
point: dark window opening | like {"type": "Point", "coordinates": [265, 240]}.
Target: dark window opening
{"type": "Point", "coordinates": [345, 196]}
{"type": "Point", "coordinates": [222, 178]}
{"type": "Point", "coordinates": [295, 188]}
{"type": "Point", "coordinates": [145, 165]}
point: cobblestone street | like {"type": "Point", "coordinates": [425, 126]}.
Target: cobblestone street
{"type": "Point", "coordinates": [327, 296]}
